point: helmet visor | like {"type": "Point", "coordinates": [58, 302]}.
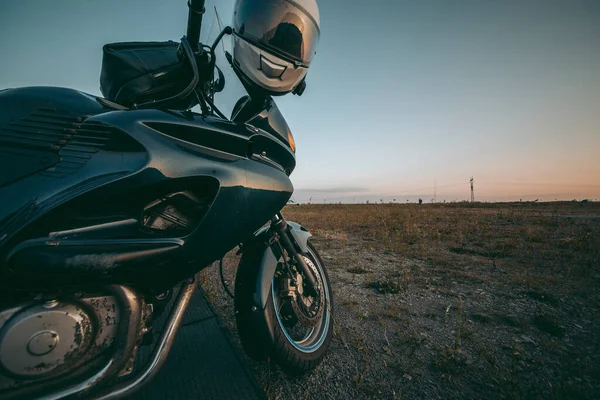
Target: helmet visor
{"type": "Point", "coordinates": [278, 25]}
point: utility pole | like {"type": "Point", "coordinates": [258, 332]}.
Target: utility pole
{"type": "Point", "coordinates": [472, 192]}
{"type": "Point", "coordinates": [434, 191]}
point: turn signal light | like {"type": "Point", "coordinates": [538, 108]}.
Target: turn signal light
{"type": "Point", "coordinates": [291, 140]}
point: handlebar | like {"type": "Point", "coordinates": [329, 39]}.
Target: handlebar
{"type": "Point", "coordinates": [195, 22]}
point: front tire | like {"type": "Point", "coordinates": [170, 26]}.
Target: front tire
{"type": "Point", "coordinates": [302, 352]}
{"type": "Point", "coordinates": [291, 345]}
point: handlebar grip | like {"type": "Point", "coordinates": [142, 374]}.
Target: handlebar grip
{"type": "Point", "coordinates": [195, 22]}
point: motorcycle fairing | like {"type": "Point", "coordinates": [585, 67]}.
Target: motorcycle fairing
{"type": "Point", "coordinates": [231, 178]}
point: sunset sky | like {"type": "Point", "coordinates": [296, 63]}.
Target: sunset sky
{"type": "Point", "coordinates": [401, 94]}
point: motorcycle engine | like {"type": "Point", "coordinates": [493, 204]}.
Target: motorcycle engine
{"type": "Point", "coordinates": [49, 339]}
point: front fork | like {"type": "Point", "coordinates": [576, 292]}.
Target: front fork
{"type": "Point", "coordinates": [279, 226]}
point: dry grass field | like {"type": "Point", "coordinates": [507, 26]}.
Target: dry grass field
{"type": "Point", "coordinates": [451, 301]}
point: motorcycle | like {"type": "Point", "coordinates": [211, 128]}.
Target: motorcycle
{"type": "Point", "coordinates": [111, 205]}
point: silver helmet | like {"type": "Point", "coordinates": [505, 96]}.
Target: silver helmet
{"type": "Point", "coordinates": [275, 41]}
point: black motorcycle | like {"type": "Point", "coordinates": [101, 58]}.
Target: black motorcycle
{"type": "Point", "coordinates": [108, 205]}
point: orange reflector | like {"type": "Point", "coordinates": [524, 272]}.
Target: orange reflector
{"type": "Point", "coordinates": [291, 141]}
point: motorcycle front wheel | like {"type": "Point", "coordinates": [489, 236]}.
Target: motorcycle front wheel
{"type": "Point", "coordinates": [290, 343]}
{"type": "Point", "coordinates": [298, 347]}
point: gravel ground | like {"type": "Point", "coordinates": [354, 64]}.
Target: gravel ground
{"type": "Point", "coordinates": [411, 328]}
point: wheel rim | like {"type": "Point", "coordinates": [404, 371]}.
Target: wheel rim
{"type": "Point", "coordinates": [307, 340]}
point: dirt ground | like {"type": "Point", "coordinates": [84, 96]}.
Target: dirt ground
{"type": "Point", "coordinates": [450, 301]}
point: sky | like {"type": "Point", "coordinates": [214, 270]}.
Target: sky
{"type": "Point", "coordinates": [404, 100]}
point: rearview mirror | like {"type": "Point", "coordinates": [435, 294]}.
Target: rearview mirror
{"type": "Point", "coordinates": [219, 82]}
{"type": "Point", "coordinates": [239, 105]}
{"type": "Point", "coordinates": [248, 107]}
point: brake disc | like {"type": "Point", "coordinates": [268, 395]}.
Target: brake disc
{"type": "Point", "coordinates": [309, 308]}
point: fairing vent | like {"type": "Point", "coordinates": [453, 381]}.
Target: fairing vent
{"type": "Point", "coordinates": [42, 130]}
{"type": "Point", "coordinates": [222, 141]}
{"type": "Point", "coordinates": [176, 210]}
{"type": "Point", "coordinates": [89, 138]}
{"type": "Point", "coordinates": [172, 209]}
{"type": "Point", "coordinates": [32, 144]}
{"type": "Point", "coordinates": [176, 214]}
{"type": "Point", "coordinates": [55, 143]}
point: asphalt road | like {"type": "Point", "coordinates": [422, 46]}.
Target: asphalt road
{"type": "Point", "coordinates": [203, 362]}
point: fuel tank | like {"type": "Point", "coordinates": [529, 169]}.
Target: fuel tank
{"type": "Point", "coordinates": [94, 193]}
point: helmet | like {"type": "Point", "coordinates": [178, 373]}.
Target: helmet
{"type": "Point", "coordinates": [274, 42]}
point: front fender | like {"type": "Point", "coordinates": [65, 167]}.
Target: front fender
{"type": "Point", "coordinates": [269, 259]}
{"type": "Point", "coordinates": [300, 235]}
